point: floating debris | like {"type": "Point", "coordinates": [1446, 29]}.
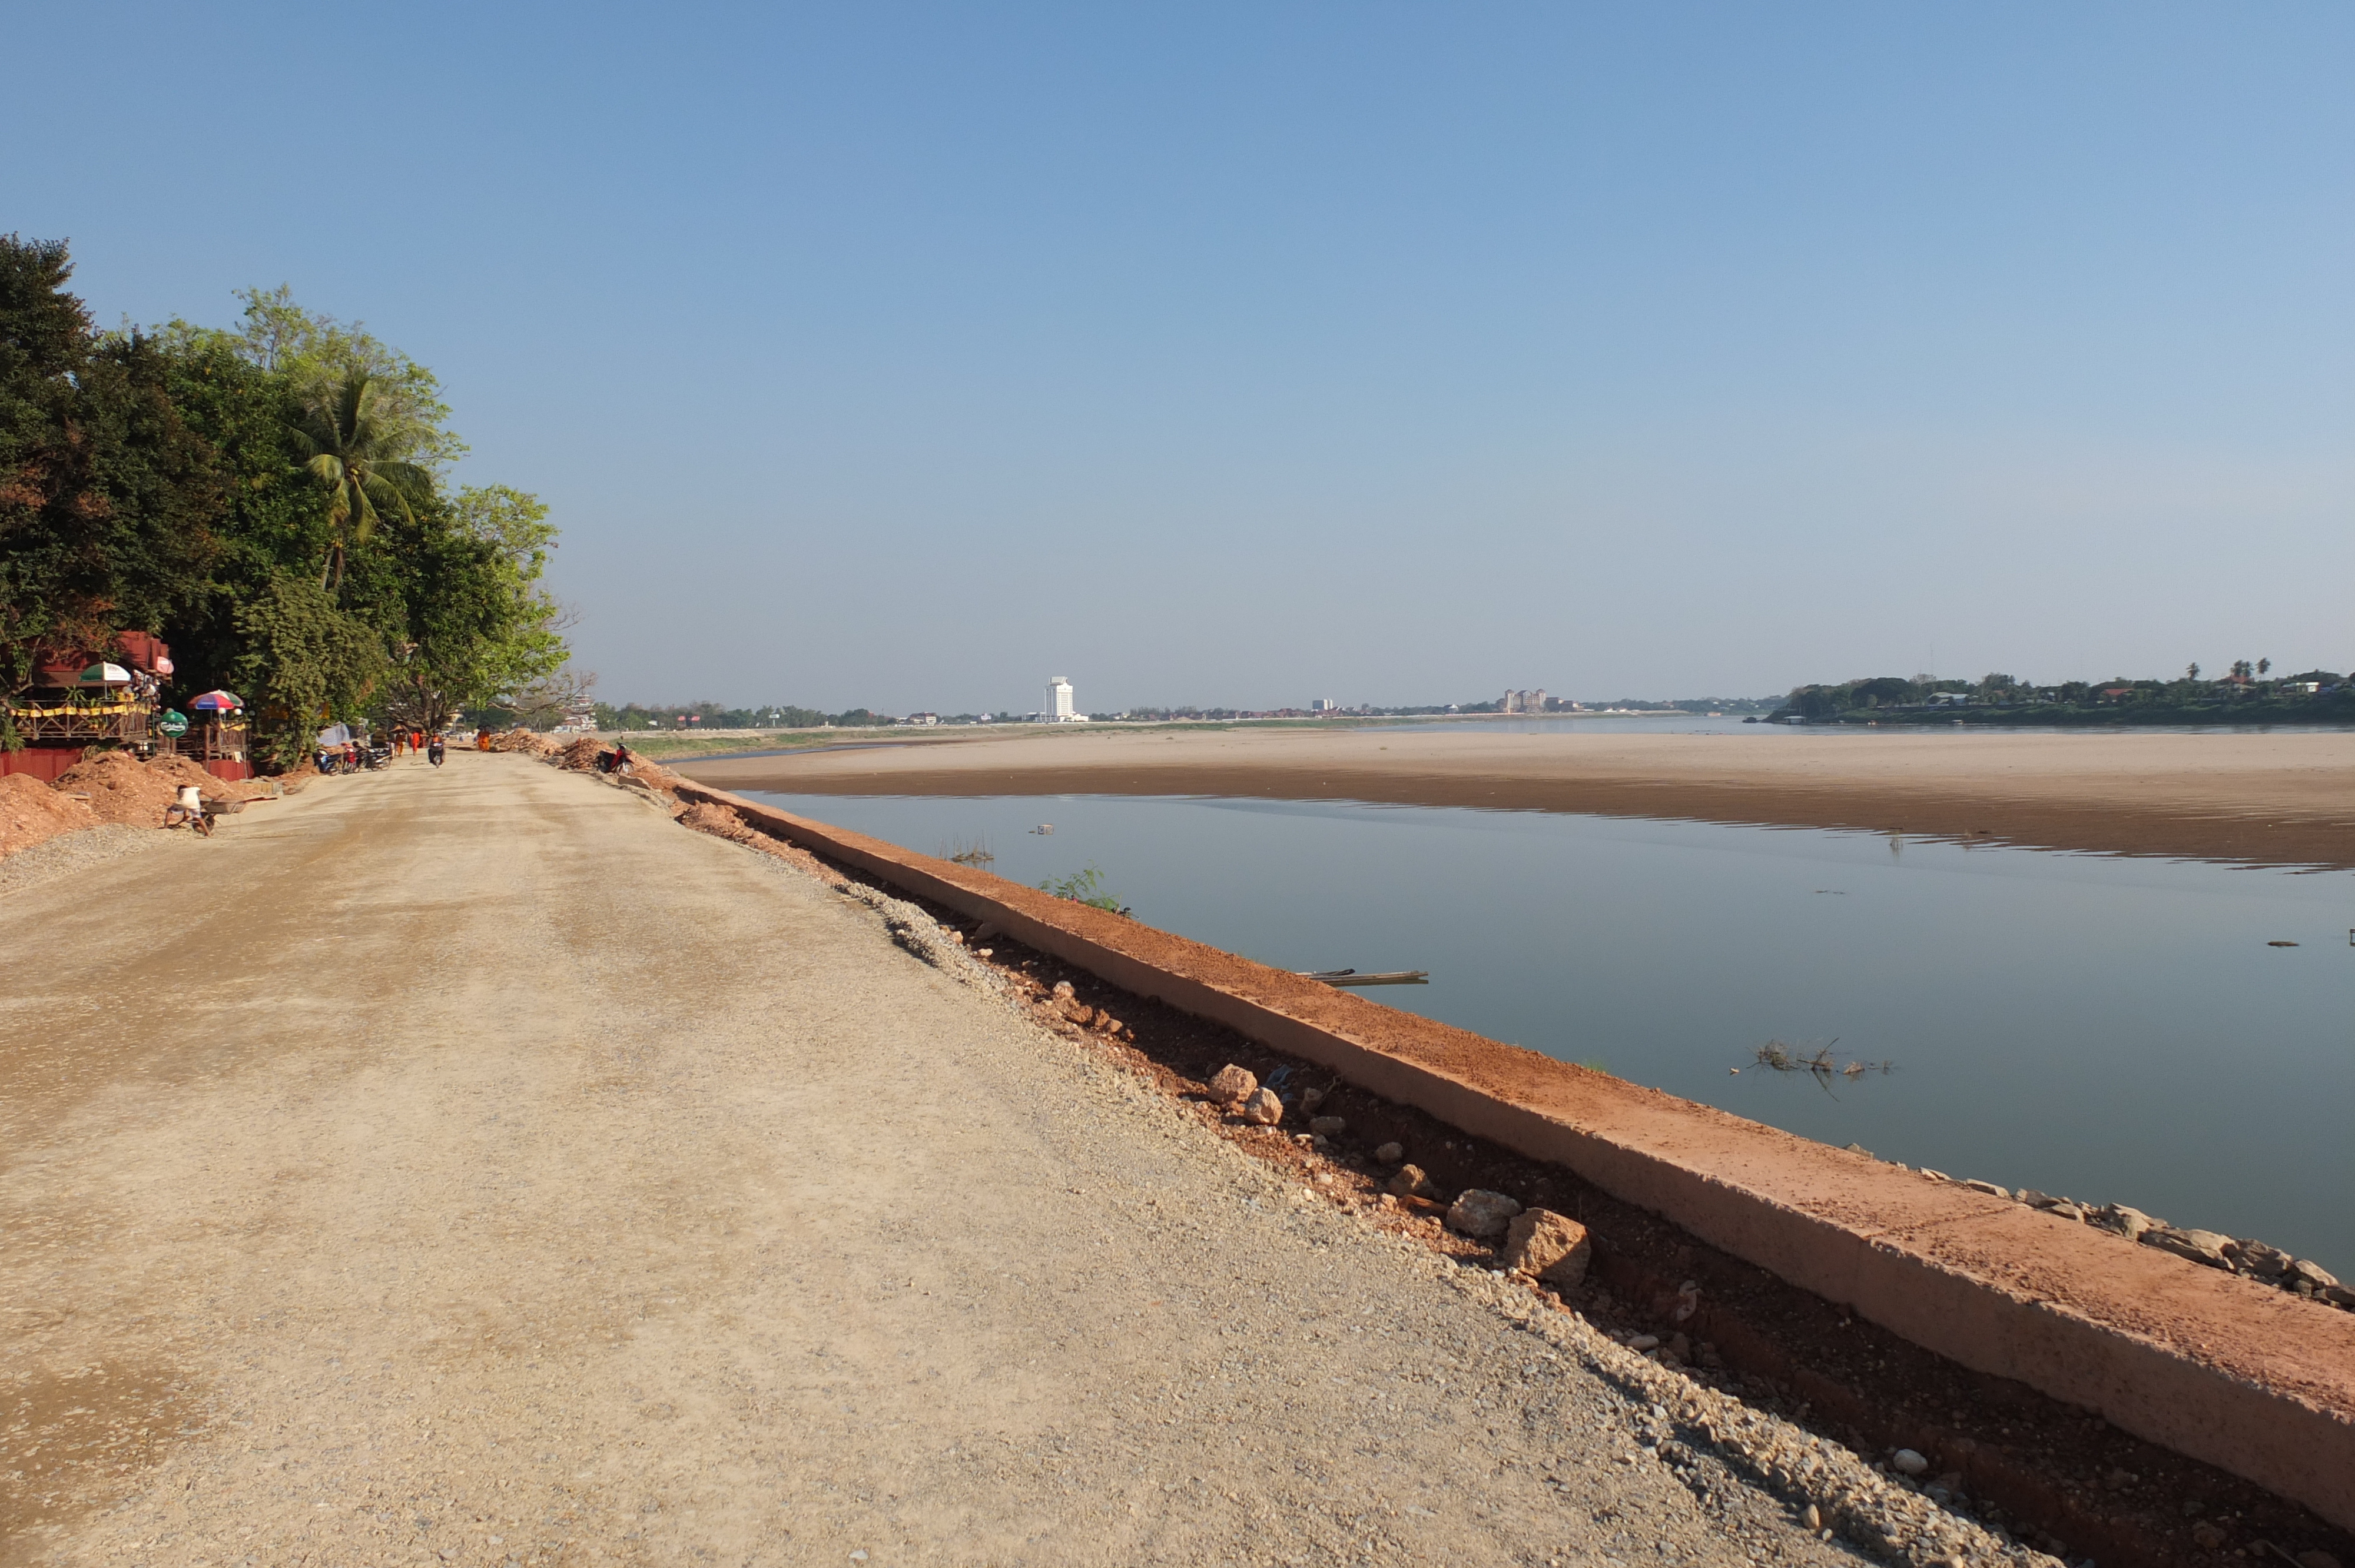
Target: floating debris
{"type": "Point", "coordinates": [1823, 1067]}
{"type": "Point", "coordinates": [1351, 977]}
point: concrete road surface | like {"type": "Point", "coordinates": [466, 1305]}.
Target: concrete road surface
{"type": "Point", "coordinates": [476, 1167]}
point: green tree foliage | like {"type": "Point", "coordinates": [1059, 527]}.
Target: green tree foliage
{"type": "Point", "coordinates": [271, 499]}
{"type": "Point", "coordinates": [478, 627]}
{"type": "Point", "coordinates": [108, 499]}
{"type": "Point", "coordinates": [301, 660]}
{"type": "Point", "coordinates": [311, 355]}
{"type": "Point", "coordinates": [360, 457]}
{"type": "Point", "coordinates": [712, 715]}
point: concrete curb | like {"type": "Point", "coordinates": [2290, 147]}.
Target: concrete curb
{"type": "Point", "coordinates": [2222, 1370]}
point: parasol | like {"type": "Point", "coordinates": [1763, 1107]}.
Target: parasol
{"type": "Point", "coordinates": [217, 702]}
{"type": "Point", "coordinates": [104, 675]}
{"type": "Point", "coordinates": [335, 735]}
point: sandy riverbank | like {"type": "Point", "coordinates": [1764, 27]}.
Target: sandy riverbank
{"type": "Point", "coordinates": [2274, 798]}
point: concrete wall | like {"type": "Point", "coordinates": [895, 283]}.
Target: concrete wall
{"type": "Point", "coordinates": [2237, 1374]}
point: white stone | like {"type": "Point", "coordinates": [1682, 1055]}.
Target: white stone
{"type": "Point", "coordinates": [1482, 1214]}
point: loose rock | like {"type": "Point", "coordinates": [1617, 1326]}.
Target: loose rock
{"type": "Point", "coordinates": [1989, 1188]}
{"type": "Point", "coordinates": [1906, 1462]}
{"type": "Point", "coordinates": [2200, 1247]}
{"type": "Point", "coordinates": [1390, 1153]}
{"type": "Point", "coordinates": [1325, 1125]}
{"type": "Point", "coordinates": [1233, 1086]}
{"type": "Point", "coordinates": [1482, 1214]}
{"type": "Point", "coordinates": [2265, 1262]}
{"type": "Point", "coordinates": [2127, 1223]}
{"type": "Point", "coordinates": [1262, 1108]}
{"type": "Point", "coordinates": [1310, 1098]}
{"type": "Point", "coordinates": [1412, 1182]}
{"type": "Point", "coordinates": [2313, 1273]}
{"type": "Point", "coordinates": [1552, 1248]}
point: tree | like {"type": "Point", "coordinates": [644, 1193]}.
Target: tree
{"type": "Point", "coordinates": [359, 456]}
{"type": "Point", "coordinates": [304, 661]}
{"type": "Point", "coordinates": [107, 499]}
{"type": "Point", "coordinates": [311, 353]}
{"type": "Point", "coordinates": [2263, 665]}
{"type": "Point", "coordinates": [2191, 671]}
{"type": "Point", "coordinates": [478, 629]}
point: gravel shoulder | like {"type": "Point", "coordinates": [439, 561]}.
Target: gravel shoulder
{"type": "Point", "coordinates": [473, 1166]}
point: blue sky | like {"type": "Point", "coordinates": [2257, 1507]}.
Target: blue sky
{"type": "Point", "coordinates": [901, 356]}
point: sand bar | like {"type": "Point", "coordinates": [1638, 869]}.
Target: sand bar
{"type": "Point", "coordinates": [2284, 797]}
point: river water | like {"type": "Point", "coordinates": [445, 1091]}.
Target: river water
{"type": "Point", "coordinates": [2116, 1029]}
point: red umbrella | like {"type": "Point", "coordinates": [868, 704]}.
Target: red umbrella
{"type": "Point", "coordinates": [215, 702]}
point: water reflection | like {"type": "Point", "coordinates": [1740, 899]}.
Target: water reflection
{"type": "Point", "coordinates": [2114, 1030]}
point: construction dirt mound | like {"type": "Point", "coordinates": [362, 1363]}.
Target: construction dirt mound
{"type": "Point", "coordinates": [31, 812]}
{"type": "Point", "coordinates": [120, 787]}
{"type": "Point", "coordinates": [188, 770]}
{"type": "Point", "coordinates": [581, 755]}
{"type": "Point", "coordinates": [522, 740]}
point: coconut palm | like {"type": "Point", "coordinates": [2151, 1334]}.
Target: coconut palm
{"type": "Point", "coordinates": [357, 455]}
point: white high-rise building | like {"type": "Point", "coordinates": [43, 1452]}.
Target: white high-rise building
{"type": "Point", "coordinates": [1058, 699]}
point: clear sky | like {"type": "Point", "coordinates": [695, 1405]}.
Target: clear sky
{"type": "Point", "coordinates": [1242, 353]}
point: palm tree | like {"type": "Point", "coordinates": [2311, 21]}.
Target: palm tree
{"type": "Point", "coordinates": [355, 454]}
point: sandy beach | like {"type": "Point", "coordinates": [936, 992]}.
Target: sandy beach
{"type": "Point", "coordinates": [2277, 798]}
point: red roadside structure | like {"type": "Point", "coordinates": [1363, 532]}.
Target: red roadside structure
{"type": "Point", "coordinates": [82, 700]}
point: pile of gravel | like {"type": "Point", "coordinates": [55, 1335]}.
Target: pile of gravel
{"type": "Point", "coordinates": [926, 938]}
{"type": "Point", "coordinates": [68, 854]}
{"type": "Point", "coordinates": [1885, 1514]}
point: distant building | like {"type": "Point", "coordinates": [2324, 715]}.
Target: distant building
{"type": "Point", "coordinates": [923, 718]}
{"type": "Point", "coordinates": [1058, 700]}
{"type": "Point", "coordinates": [1524, 702]}
{"type": "Point", "coordinates": [1324, 705]}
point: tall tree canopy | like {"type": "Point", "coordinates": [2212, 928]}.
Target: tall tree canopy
{"type": "Point", "coordinates": [359, 456]}
{"type": "Point", "coordinates": [273, 498]}
{"type": "Point", "coordinates": [108, 499]}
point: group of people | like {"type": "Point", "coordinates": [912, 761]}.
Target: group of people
{"type": "Point", "coordinates": [351, 754]}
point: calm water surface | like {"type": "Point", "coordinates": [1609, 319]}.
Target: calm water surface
{"type": "Point", "coordinates": [2114, 1030]}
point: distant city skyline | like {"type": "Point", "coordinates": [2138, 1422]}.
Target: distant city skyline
{"type": "Point", "coordinates": [875, 355]}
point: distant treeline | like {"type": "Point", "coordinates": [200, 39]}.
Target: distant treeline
{"type": "Point", "coordinates": [2249, 694]}
{"type": "Point", "coordinates": [712, 715]}
{"type": "Point", "coordinates": [788, 716]}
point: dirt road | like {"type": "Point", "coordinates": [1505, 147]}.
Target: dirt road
{"type": "Point", "coordinates": [476, 1167]}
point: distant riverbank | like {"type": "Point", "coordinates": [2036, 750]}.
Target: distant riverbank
{"type": "Point", "coordinates": [2280, 798]}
